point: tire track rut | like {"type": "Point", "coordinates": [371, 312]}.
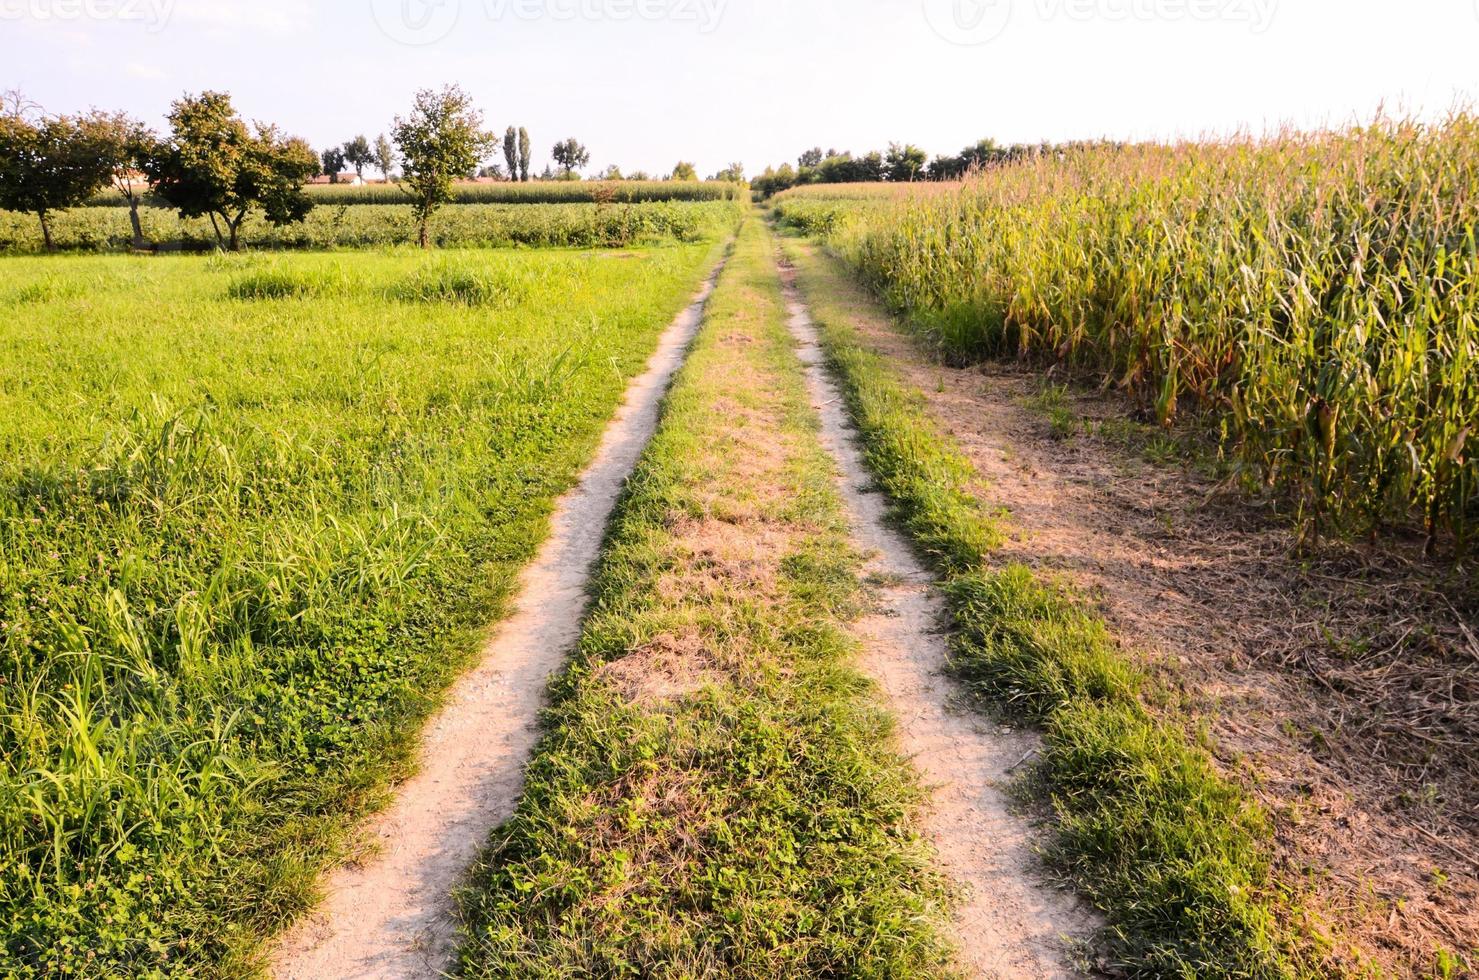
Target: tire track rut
{"type": "Point", "coordinates": [393, 915]}
{"type": "Point", "coordinates": [1009, 923]}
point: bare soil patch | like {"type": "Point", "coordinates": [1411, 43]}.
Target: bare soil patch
{"type": "Point", "coordinates": [1342, 684]}
{"type": "Point", "coordinates": [670, 666]}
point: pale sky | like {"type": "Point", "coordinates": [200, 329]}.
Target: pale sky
{"type": "Point", "coordinates": [644, 83]}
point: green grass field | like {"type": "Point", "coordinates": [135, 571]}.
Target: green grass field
{"type": "Point", "coordinates": [346, 226]}
{"type": "Point", "coordinates": [254, 513]}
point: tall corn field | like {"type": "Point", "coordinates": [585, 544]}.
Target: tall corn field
{"type": "Point", "coordinates": [1315, 295]}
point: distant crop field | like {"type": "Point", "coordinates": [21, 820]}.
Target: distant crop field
{"type": "Point", "coordinates": [546, 192]}
{"type": "Point", "coordinates": [819, 208]}
{"type": "Point", "coordinates": [868, 191]}
{"type": "Point", "coordinates": [1316, 296]}
{"type": "Point", "coordinates": [254, 513]}
{"type": "Point", "coordinates": [533, 192]}
{"type": "Point", "coordinates": [349, 225]}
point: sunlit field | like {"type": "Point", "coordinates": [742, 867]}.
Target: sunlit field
{"type": "Point", "coordinates": [432, 546]}
{"type": "Point", "coordinates": [253, 512]}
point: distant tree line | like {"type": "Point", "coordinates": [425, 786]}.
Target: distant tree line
{"type": "Point", "coordinates": [902, 162]}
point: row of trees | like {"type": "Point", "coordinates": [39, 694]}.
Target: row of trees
{"type": "Point", "coordinates": [517, 151]}
{"type": "Point", "coordinates": [212, 164]}
{"type": "Point", "coordinates": [902, 162]}
{"type": "Point", "coordinates": [682, 170]}
{"type": "Point", "coordinates": [358, 154]}
{"type": "Point", "coordinates": [570, 156]}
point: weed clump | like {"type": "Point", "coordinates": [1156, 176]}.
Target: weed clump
{"type": "Point", "coordinates": [460, 284]}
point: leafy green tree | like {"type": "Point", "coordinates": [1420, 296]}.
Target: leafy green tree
{"type": "Point", "coordinates": [571, 155]}
{"type": "Point", "coordinates": [384, 156]}
{"type": "Point", "coordinates": [441, 140]}
{"type": "Point", "coordinates": [734, 174]}
{"type": "Point", "coordinates": [612, 172]}
{"type": "Point", "coordinates": [981, 154]}
{"type": "Point", "coordinates": [945, 168]}
{"type": "Point", "coordinates": [526, 153]}
{"type": "Point", "coordinates": [684, 170]}
{"type": "Point", "coordinates": [844, 168]}
{"type": "Point", "coordinates": [357, 154]}
{"type": "Point", "coordinates": [50, 165]}
{"type": "Point", "coordinates": [212, 165]}
{"type": "Point", "coordinates": [811, 159]}
{"type": "Point", "coordinates": [905, 162]}
{"type": "Point", "coordinates": [127, 145]}
{"type": "Point", "coordinates": [511, 152]}
{"type": "Point", "coordinates": [765, 184]}
{"type": "Point", "coordinates": [639, 175]}
{"type": "Point", "coordinates": [774, 181]}
{"type": "Point", "coordinates": [333, 162]}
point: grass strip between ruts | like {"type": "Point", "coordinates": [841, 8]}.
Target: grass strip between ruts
{"type": "Point", "coordinates": [717, 792]}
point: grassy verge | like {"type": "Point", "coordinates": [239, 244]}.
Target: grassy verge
{"type": "Point", "coordinates": [1174, 854]}
{"type": "Point", "coordinates": [716, 794]}
{"type": "Point", "coordinates": [255, 513]}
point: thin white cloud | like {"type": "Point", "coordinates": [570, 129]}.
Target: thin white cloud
{"type": "Point", "coordinates": [139, 70]}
